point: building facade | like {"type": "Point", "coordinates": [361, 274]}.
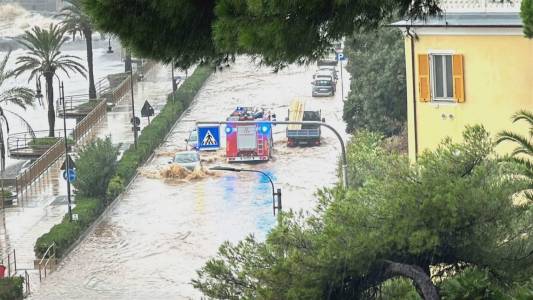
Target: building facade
{"type": "Point", "coordinates": [471, 66]}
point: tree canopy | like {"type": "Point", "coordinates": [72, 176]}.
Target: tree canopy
{"type": "Point", "coordinates": [452, 212]}
{"type": "Point", "coordinates": [377, 99]}
{"type": "Point", "coordinates": [279, 32]}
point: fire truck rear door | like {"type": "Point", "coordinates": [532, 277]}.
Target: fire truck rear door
{"type": "Point", "coordinates": [246, 137]}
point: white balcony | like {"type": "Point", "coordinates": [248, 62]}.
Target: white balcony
{"type": "Point", "coordinates": [483, 6]}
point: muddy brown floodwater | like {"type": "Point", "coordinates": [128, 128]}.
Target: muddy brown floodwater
{"type": "Point", "coordinates": [163, 229]}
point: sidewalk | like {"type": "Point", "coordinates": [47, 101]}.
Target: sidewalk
{"type": "Point", "coordinates": [44, 203]}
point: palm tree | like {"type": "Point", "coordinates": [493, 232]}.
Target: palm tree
{"type": "Point", "coordinates": [44, 58]}
{"type": "Point", "coordinates": [523, 153]}
{"type": "Point", "coordinates": [76, 20]}
{"type": "Point", "coordinates": [19, 96]}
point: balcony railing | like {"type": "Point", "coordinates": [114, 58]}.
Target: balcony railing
{"type": "Point", "coordinates": [480, 5]}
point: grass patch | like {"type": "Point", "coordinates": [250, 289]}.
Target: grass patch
{"type": "Point", "coordinates": [46, 142]}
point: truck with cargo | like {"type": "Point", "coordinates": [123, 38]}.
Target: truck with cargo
{"type": "Point", "coordinates": [305, 134]}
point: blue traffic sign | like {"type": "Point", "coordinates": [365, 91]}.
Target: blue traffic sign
{"type": "Point", "coordinates": [340, 56]}
{"type": "Point", "coordinates": [71, 175]}
{"type": "Point", "coordinates": [208, 137]}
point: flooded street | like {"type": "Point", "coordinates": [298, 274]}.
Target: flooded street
{"type": "Point", "coordinates": [152, 241]}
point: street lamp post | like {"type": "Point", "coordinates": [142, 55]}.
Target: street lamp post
{"type": "Point", "coordinates": [274, 192]}
{"type": "Point", "coordinates": [133, 119]}
{"type": "Point", "coordinates": [61, 91]}
{"type": "Point", "coordinates": [341, 141]}
{"type": "Point", "coordinates": [109, 49]}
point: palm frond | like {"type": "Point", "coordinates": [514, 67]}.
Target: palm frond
{"type": "Point", "coordinates": [524, 143]}
{"type": "Point", "coordinates": [19, 96]}
{"type": "Point", "coordinates": [23, 121]}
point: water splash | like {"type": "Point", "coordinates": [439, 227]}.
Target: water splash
{"type": "Point", "coordinates": [175, 173]}
{"type": "Point", "coordinates": [14, 20]}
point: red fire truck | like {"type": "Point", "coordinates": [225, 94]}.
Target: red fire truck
{"type": "Point", "coordinates": [246, 143]}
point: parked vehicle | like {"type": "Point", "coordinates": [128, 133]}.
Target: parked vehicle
{"type": "Point", "coordinates": [187, 159]}
{"type": "Point", "coordinates": [247, 143]}
{"type": "Point", "coordinates": [323, 87]}
{"type": "Point", "coordinates": [306, 134]}
{"type": "Point", "coordinates": [331, 69]}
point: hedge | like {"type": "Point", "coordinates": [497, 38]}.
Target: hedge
{"type": "Point", "coordinates": [11, 288]}
{"type": "Point", "coordinates": [89, 209]}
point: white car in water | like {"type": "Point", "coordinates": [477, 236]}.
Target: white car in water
{"type": "Point", "coordinates": [187, 159]}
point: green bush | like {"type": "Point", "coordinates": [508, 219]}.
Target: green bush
{"type": "Point", "coordinates": [95, 167]}
{"type": "Point", "coordinates": [115, 187]}
{"type": "Point", "coordinates": [66, 233]}
{"type": "Point", "coordinates": [6, 194]}
{"type": "Point", "coordinates": [11, 288]}
{"type": "Point", "coordinates": [474, 283]}
{"type": "Point", "coordinates": [99, 174]}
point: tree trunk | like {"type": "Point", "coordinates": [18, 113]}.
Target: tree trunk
{"type": "Point", "coordinates": [50, 95]}
{"type": "Point", "coordinates": [421, 280]}
{"type": "Point", "coordinates": [89, 42]}
{"type": "Point", "coordinates": [127, 62]}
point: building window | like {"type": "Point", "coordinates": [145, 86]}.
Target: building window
{"type": "Point", "coordinates": [442, 83]}
{"type": "Point", "coordinates": [441, 77]}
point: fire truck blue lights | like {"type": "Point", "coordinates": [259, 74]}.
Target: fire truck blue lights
{"type": "Point", "coordinates": [228, 129]}
{"type": "Point", "coordinates": [264, 128]}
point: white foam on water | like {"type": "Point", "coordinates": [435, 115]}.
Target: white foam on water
{"type": "Point", "coordinates": [14, 20]}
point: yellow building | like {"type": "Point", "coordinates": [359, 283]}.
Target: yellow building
{"type": "Point", "coordinates": [471, 66]}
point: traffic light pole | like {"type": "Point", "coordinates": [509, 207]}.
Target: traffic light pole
{"type": "Point", "coordinates": [343, 149]}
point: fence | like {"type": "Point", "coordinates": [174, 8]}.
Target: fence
{"type": "Point", "coordinates": [125, 86]}
{"type": "Point", "coordinates": [11, 263]}
{"type": "Point", "coordinates": [39, 166]}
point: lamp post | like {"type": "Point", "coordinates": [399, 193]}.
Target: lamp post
{"type": "Point", "coordinates": [109, 50]}
{"type": "Point", "coordinates": [133, 119]}
{"type": "Point", "coordinates": [39, 95]}
{"type": "Point", "coordinates": [274, 192]}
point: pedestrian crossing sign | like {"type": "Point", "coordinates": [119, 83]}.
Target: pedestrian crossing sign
{"type": "Point", "coordinates": [208, 137]}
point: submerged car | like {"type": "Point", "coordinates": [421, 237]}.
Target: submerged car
{"type": "Point", "coordinates": [187, 159]}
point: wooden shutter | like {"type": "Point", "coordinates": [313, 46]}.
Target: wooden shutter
{"type": "Point", "coordinates": [458, 78]}
{"type": "Point", "coordinates": [424, 94]}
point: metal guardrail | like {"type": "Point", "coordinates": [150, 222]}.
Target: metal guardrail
{"type": "Point", "coordinates": [48, 255]}
{"type": "Point", "coordinates": [39, 166]}
{"type": "Point", "coordinates": [25, 140]}
{"type": "Point", "coordinates": [27, 289]}
{"type": "Point", "coordinates": [11, 265]}
{"type": "Point", "coordinates": [72, 104]}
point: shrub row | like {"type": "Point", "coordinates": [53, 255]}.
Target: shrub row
{"type": "Point", "coordinates": [11, 288]}
{"type": "Point", "coordinates": [89, 209]}
{"type": "Point", "coordinates": [66, 233]}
